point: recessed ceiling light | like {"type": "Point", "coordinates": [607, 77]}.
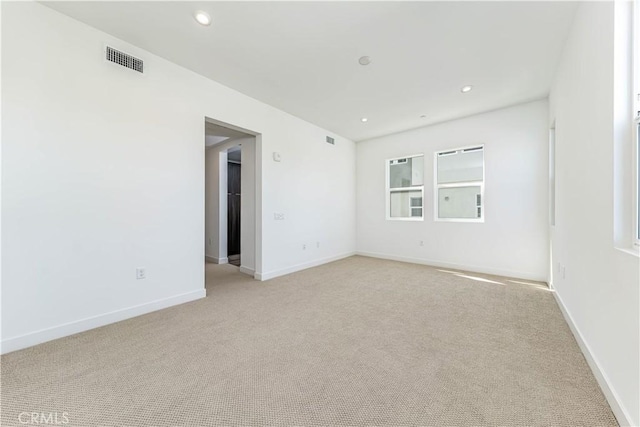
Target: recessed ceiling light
{"type": "Point", "coordinates": [203, 18]}
{"type": "Point", "coordinates": [423, 116]}
{"type": "Point", "coordinates": [364, 60]}
{"type": "Point", "coordinates": [466, 89]}
{"type": "Point", "coordinates": [364, 120]}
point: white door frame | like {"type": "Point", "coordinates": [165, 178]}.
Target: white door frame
{"type": "Point", "coordinates": [258, 189]}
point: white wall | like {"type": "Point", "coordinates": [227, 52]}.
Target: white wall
{"type": "Point", "coordinates": [512, 241]}
{"type": "Point", "coordinates": [599, 290]}
{"type": "Point", "coordinates": [247, 205]}
{"type": "Point", "coordinates": [103, 172]}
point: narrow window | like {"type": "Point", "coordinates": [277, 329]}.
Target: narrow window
{"type": "Point", "coordinates": [636, 124]}
{"type": "Point", "coordinates": [636, 171]}
{"type": "Point", "coordinates": [459, 189]}
{"type": "Point", "coordinates": [405, 188]}
{"type": "Point", "coordinates": [552, 175]}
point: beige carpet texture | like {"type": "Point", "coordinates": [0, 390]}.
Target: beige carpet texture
{"type": "Point", "coordinates": [358, 342]}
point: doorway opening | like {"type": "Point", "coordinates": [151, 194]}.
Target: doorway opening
{"type": "Point", "coordinates": [234, 204]}
{"type": "Point", "coordinates": [231, 196]}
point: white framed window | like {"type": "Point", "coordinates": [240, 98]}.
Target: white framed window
{"type": "Point", "coordinates": [459, 184]}
{"type": "Point", "coordinates": [405, 188]}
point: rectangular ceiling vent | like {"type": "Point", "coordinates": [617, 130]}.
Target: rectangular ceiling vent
{"type": "Point", "coordinates": [125, 60]}
{"type": "Point", "coordinates": [331, 140]}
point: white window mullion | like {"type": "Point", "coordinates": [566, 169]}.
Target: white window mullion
{"type": "Point", "coordinates": [461, 184]}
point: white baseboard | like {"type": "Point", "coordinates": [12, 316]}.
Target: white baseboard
{"type": "Point", "coordinates": [472, 268]}
{"type": "Point", "coordinates": [620, 412]}
{"type": "Point", "coordinates": [49, 334]}
{"type": "Point", "coordinates": [303, 266]}
{"type": "Point", "coordinates": [247, 270]}
{"type": "Point", "coordinates": [215, 260]}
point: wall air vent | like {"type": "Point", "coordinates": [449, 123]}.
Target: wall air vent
{"type": "Point", "coordinates": [331, 140]}
{"type": "Point", "coordinates": [124, 59]}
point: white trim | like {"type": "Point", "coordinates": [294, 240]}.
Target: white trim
{"type": "Point", "coordinates": [223, 260]}
{"type": "Point", "coordinates": [635, 56]}
{"type": "Point", "coordinates": [298, 267]}
{"type": "Point", "coordinates": [476, 220]}
{"type": "Point", "coordinates": [460, 184]}
{"type": "Point", "coordinates": [246, 270]}
{"type": "Point", "coordinates": [71, 328]}
{"type": "Point", "coordinates": [635, 198]}
{"type": "Point", "coordinates": [635, 150]}
{"type": "Point", "coordinates": [632, 251]}
{"type": "Point", "coordinates": [407, 218]}
{"type": "Point", "coordinates": [618, 409]}
{"type": "Point", "coordinates": [471, 268]}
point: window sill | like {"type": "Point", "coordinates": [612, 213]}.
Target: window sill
{"type": "Point", "coordinates": [633, 251]}
{"type": "Point", "coordinates": [479, 220]}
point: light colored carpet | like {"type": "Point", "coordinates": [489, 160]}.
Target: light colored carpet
{"type": "Point", "coordinates": [355, 342]}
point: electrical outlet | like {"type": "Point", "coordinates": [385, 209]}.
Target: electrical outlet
{"type": "Point", "coordinates": [278, 216]}
{"type": "Point", "coordinates": [210, 241]}
{"type": "Point", "coordinates": [561, 270]}
{"type": "Point", "coordinates": [304, 247]}
{"type": "Point", "coordinates": [318, 245]}
{"type": "Point", "coordinates": [421, 243]}
{"type": "Point", "coordinates": [141, 273]}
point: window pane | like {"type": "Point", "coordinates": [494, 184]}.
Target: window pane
{"type": "Point", "coordinates": [417, 170]}
{"type": "Point", "coordinates": [403, 203]}
{"type": "Point", "coordinates": [460, 202]}
{"type": "Point", "coordinates": [460, 166]}
{"type": "Point", "coordinates": [400, 174]}
{"type": "Point", "coordinates": [406, 172]}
